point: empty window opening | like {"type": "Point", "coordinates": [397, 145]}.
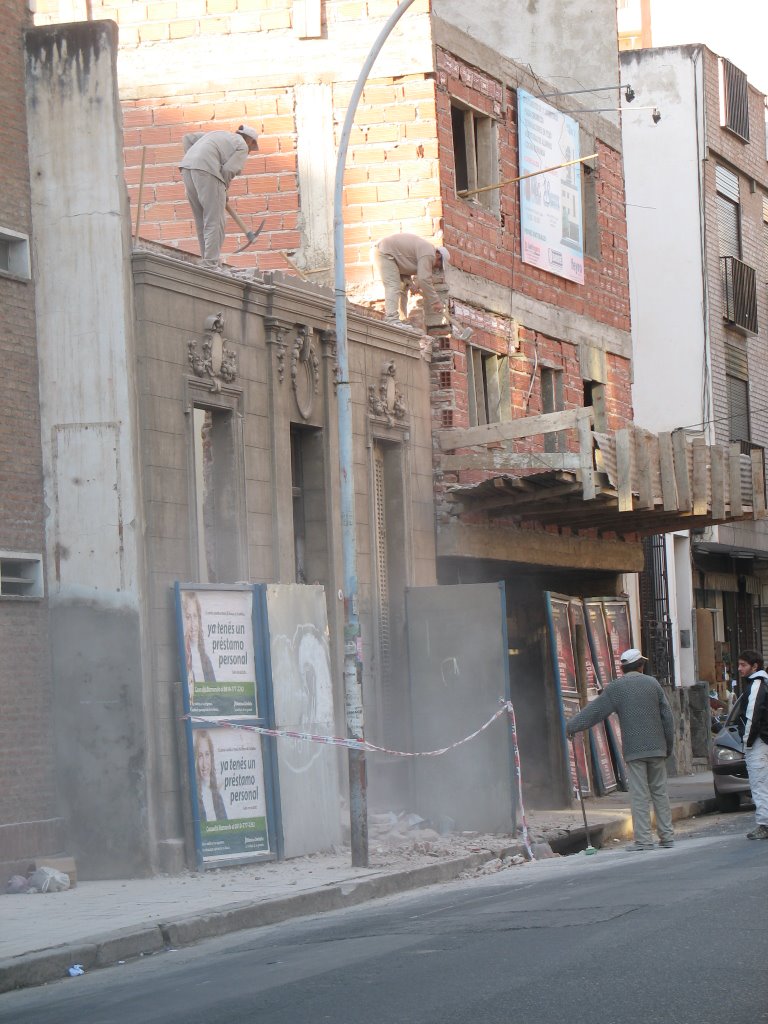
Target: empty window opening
{"type": "Point", "coordinates": [475, 155]}
{"type": "Point", "coordinates": [488, 387]}
{"type": "Point", "coordinates": [552, 401]}
{"type": "Point", "coordinates": [310, 535]}
{"type": "Point", "coordinates": [216, 497]}
{"type": "Point", "coordinates": [594, 397]}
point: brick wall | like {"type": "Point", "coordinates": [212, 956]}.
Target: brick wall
{"type": "Point", "coordinates": [488, 245]}
{"type": "Point", "coordinates": [27, 796]}
{"type": "Point", "coordinates": [748, 161]}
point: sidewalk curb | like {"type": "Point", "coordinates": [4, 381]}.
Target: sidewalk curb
{"type": "Point", "coordinates": [42, 966]}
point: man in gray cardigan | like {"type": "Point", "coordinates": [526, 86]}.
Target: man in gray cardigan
{"type": "Point", "coordinates": [647, 730]}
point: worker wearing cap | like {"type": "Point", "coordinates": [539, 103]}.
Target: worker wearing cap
{"type": "Point", "coordinates": [399, 258]}
{"type": "Point", "coordinates": [211, 161]}
{"type": "Point", "coordinates": [647, 732]}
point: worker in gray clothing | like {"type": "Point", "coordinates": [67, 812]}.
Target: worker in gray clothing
{"type": "Point", "coordinates": [211, 161]}
{"type": "Point", "coordinates": [398, 259]}
{"type": "Point", "coordinates": [647, 730]}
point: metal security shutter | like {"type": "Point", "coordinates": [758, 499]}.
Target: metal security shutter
{"type": "Point", "coordinates": [734, 99]}
{"type": "Point", "coordinates": [738, 408]}
{"type": "Point", "coordinates": [728, 212]}
{"type": "Point", "coordinates": [382, 585]}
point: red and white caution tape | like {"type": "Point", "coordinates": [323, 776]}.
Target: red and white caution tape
{"type": "Point", "coordinates": [372, 748]}
{"type": "Point", "coordinates": [519, 777]}
{"type": "Point", "coordinates": [342, 741]}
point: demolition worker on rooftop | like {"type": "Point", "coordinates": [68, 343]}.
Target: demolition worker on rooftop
{"type": "Point", "coordinates": [211, 161]}
{"type": "Point", "coordinates": [399, 259]}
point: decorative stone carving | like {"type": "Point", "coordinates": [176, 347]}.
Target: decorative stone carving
{"type": "Point", "coordinates": [276, 336]}
{"type": "Point", "coordinates": [305, 370]}
{"type": "Point", "coordinates": [215, 361]}
{"type": "Point", "coordinates": [330, 350]}
{"type": "Point", "coordinates": [385, 400]}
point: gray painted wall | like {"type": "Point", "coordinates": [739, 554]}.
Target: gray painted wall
{"type": "Point", "coordinates": [570, 43]}
{"type": "Point", "coordinates": [87, 394]}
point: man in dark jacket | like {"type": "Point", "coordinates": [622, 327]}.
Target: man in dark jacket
{"type": "Point", "coordinates": [752, 724]}
{"type": "Point", "coordinates": [648, 732]}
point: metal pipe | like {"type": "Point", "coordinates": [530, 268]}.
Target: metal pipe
{"type": "Point", "coordinates": [353, 691]}
{"type": "Point", "coordinates": [521, 177]}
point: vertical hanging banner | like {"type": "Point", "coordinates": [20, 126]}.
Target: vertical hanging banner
{"type": "Point", "coordinates": [619, 628]}
{"type": "Point", "coordinates": [605, 661]}
{"type": "Point", "coordinates": [226, 766]}
{"type": "Point", "coordinates": [550, 204]}
{"type": "Point", "coordinates": [564, 671]}
{"type": "Point", "coordinates": [565, 662]}
{"type": "Point", "coordinates": [604, 774]}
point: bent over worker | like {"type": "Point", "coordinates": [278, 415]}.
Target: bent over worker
{"type": "Point", "coordinates": [211, 161]}
{"type": "Point", "coordinates": [398, 258]}
{"type": "Point", "coordinates": [648, 735]}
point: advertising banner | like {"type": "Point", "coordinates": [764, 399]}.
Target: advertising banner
{"type": "Point", "coordinates": [619, 629]}
{"type": "Point", "coordinates": [550, 204]}
{"type": "Point", "coordinates": [565, 662]}
{"type": "Point", "coordinates": [217, 638]}
{"type": "Point", "coordinates": [577, 749]}
{"type": "Point", "coordinates": [230, 794]}
{"type": "Point", "coordinates": [230, 774]}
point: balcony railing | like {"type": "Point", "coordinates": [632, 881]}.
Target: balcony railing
{"type": "Point", "coordinates": [740, 294]}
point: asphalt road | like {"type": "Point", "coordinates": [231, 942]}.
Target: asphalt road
{"type": "Point", "coordinates": [665, 937]}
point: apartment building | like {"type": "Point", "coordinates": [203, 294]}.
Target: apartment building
{"type": "Point", "coordinates": [697, 192]}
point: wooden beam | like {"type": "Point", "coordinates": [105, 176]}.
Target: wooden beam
{"type": "Point", "coordinates": [586, 458]}
{"type": "Point", "coordinates": [624, 469]}
{"type": "Point", "coordinates": [499, 459]}
{"type": "Point", "coordinates": [717, 464]}
{"type": "Point", "coordinates": [668, 482]}
{"type": "Point", "coordinates": [682, 476]}
{"type": "Point", "coordinates": [458, 540]}
{"type": "Point", "coordinates": [734, 475]}
{"type": "Point", "coordinates": [526, 426]}
{"type": "Point", "coordinates": [643, 479]}
{"type": "Point", "coordinates": [758, 483]}
{"type": "Point", "coordinates": [700, 481]}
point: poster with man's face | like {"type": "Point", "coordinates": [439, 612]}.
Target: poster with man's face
{"type": "Point", "coordinates": [563, 640]}
{"type": "Point", "coordinates": [218, 652]}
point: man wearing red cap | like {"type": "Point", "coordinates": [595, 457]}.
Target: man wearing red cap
{"type": "Point", "coordinates": [211, 161]}
{"type": "Point", "coordinates": [648, 735]}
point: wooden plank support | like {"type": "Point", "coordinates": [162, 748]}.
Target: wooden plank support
{"type": "Point", "coordinates": [624, 469]}
{"type": "Point", "coordinates": [668, 482]}
{"type": "Point", "coordinates": [700, 496]}
{"type": "Point", "coordinates": [643, 481]}
{"type": "Point", "coordinates": [510, 544]}
{"type": "Point", "coordinates": [717, 463]}
{"type": "Point", "coordinates": [734, 480]}
{"type": "Point", "coordinates": [497, 460]}
{"type": "Point", "coordinates": [526, 426]}
{"type": "Point", "coordinates": [758, 483]}
{"type": "Point", "coordinates": [682, 477]}
{"type": "Point", "coordinates": [586, 457]}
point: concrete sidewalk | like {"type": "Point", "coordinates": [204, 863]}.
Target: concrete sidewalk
{"type": "Point", "coordinates": [101, 923]}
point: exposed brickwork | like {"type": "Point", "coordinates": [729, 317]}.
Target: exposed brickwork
{"type": "Point", "coordinates": [399, 177]}
{"type": "Point", "coordinates": [488, 245]}
{"type": "Point", "coordinates": [26, 743]}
